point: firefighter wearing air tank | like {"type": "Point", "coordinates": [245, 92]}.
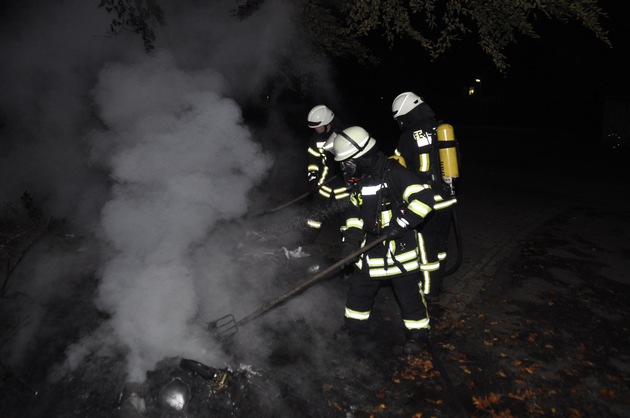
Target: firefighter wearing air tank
{"type": "Point", "coordinates": [429, 150]}
{"type": "Point", "coordinates": [324, 124]}
{"type": "Point", "coordinates": [388, 201]}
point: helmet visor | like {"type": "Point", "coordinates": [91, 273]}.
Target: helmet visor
{"type": "Point", "coordinates": [314, 124]}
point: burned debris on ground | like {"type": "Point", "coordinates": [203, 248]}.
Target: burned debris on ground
{"type": "Point", "coordinates": [546, 336]}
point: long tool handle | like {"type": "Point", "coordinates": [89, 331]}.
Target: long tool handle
{"type": "Point", "coordinates": [319, 276]}
{"type": "Point", "coordinates": [297, 199]}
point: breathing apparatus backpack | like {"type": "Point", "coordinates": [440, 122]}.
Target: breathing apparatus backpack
{"type": "Point", "coordinates": [445, 150]}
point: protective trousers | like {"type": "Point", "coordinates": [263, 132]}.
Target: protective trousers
{"type": "Point", "coordinates": [434, 245]}
{"type": "Point", "coordinates": [316, 216]}
{"type": "Point", "coordinates": [361, 295]}
{"type": "Point", "coordinates": [327, 202]}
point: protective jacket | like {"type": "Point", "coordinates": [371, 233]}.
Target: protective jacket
{"type": "Point", "coordinates": [318, 169]}
{"type": "Point", "coordinates": [387, 192]}
{"type": "Point", "coordinates": [418, 146]}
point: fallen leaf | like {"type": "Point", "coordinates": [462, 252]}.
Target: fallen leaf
{"type": "Point", "coordinates": [515, 396]}
{"type": "Point", "coordinates": [606, 393]}
{"type": "Point", "coordinates": [485, 402]}
{"type": "Point", "coordinates": [503, 414]}
{"type": "Point", "coordinates": [535, 410]}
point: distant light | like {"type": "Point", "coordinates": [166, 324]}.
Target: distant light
{"type": "Point", "coordinates": [477, 80]}
{"type": "Point", "coordinates": [471, 91]}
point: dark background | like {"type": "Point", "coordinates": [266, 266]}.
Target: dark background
{"type": "Point", "coordinates": [557, 85]}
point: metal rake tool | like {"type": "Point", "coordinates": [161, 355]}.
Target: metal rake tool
{"type": "Point", "coordinates": [296, 200]}
{"type": "Point", "coordinates": [225, 329]}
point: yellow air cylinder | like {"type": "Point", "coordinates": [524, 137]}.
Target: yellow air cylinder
{"type": "Point", "coordinates": [448, 156]}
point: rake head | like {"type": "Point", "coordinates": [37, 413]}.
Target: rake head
{"type": "Point", "coordinates": [224, 330]}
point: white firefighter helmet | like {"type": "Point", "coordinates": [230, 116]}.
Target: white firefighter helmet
{"type": "Point", "coordinates": [352, 142]}
{"type": "Point", "coordinates": [404, 103]}
{"type": "Point", "coordinates": [320, 115]}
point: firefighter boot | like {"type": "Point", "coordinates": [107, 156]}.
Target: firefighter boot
{"type": "Point", "coordinates": [346, 334]}
{"type": "Point", "coordinates": [310, 235]}
{"type": "Point", "coordinates": [343, 334]}
{"type": "Point", "coordinates": [416, 340]}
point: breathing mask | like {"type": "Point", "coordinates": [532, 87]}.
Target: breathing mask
{"type": "Point", "coordinates": [351, 170]}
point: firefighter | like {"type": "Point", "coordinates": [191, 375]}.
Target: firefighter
{"type": "Point", "coordinates": [387, 201]}
{"type": "Point", "coordinates": [324, 124]}
{"type": "Point", "coordinates": [418, 146]}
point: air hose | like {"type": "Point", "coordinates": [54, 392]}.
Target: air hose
{"type": "Point", "coordinates": [458, 242]}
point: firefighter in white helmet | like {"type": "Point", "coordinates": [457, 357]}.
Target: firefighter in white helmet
{"type": "Point", "coordinates": [319, 170]}
{"type": "Point", "coordinates": [418, 146]}
{"type": "Point", "coordinates": [387, 200]}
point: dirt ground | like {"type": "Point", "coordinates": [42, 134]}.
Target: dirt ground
{"type": "Point", "coordinates": [545, 335]}
{"type": "Point", "coordinates": [532, 323]}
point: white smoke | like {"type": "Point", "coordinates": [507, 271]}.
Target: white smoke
{"type": "Point", "coordinates": [150, 151]}
{"type": "Point", "coordinates": [183, 161]}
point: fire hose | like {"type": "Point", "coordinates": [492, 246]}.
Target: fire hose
{"type": "Point", "coordinates": [458, 242]}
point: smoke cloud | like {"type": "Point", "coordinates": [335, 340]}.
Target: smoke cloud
{"type": "Point", "coordinates": [179, 168]}
{"type": "Point", "coordinates": [150, 153]}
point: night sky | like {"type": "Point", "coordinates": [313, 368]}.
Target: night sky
{"type": "Point", "coordinates": [560, 81]}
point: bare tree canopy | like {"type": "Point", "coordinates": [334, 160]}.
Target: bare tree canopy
{"type": "Point", "coordinates": [349, 28]}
